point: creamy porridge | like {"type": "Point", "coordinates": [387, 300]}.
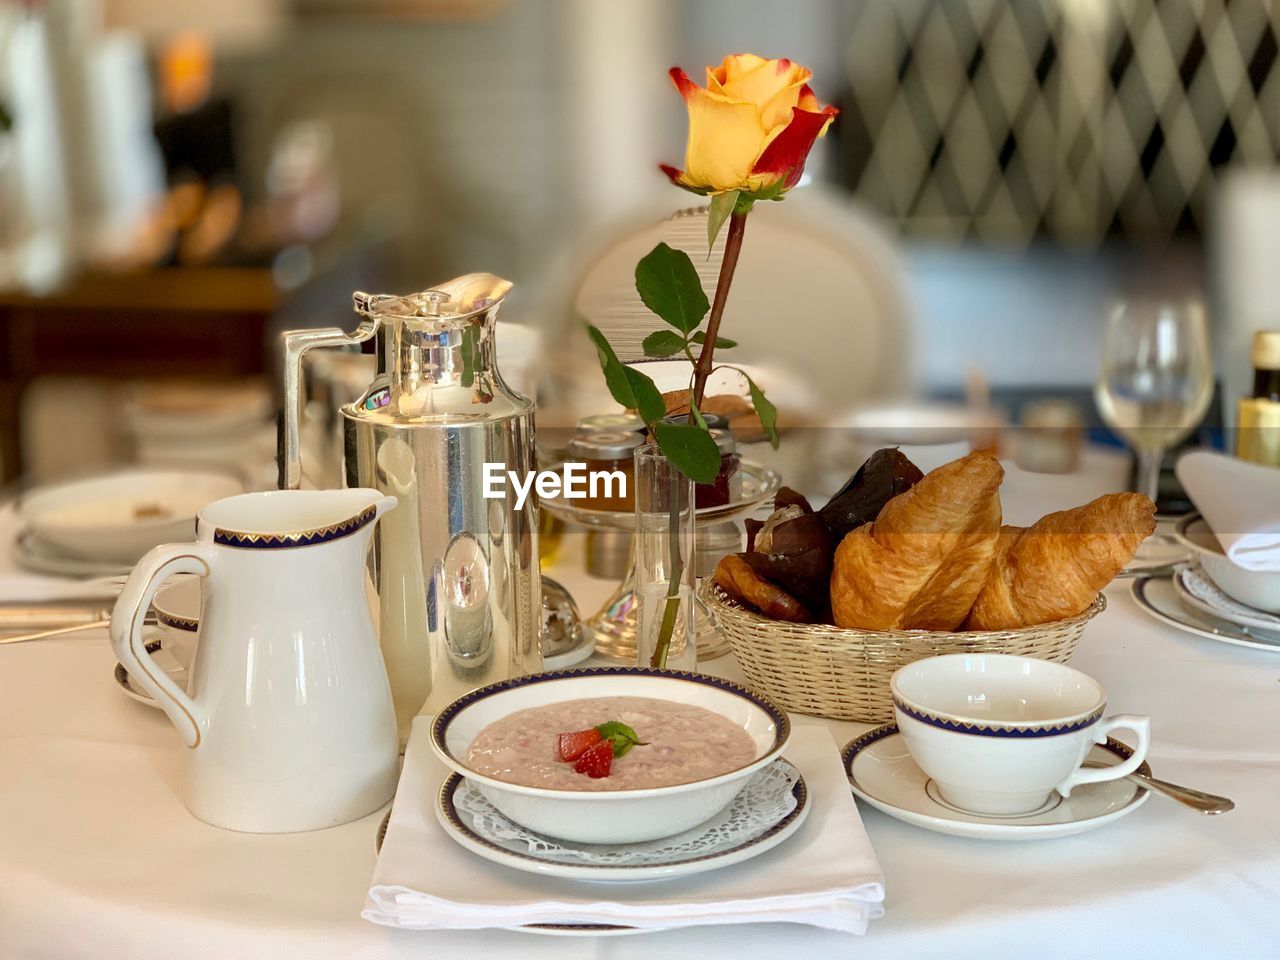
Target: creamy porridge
{"type": "Point", "coordinates": [683, 743]}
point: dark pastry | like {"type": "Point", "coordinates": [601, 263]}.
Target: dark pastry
{"type": "Point", "coordinates": [886, 474]}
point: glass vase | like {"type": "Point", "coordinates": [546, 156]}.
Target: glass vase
{"type": "Point", "coordinates": [665, 569]}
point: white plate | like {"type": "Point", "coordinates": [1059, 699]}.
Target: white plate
{"type": "Point", "coordinates": [1159, 598]}
{"type": "Point", "coordinates": [98, 519]}
{"type": "Point", "coordinates": [31, 553]}
{"type": "Point", "coordinates": [176, 671]}
{"type": "Point", "coordinates": [502, 846]}
{"type": "Point", "coordinates": [1197, 590]}
{"type": "Point", "coordinates": [882, 773]}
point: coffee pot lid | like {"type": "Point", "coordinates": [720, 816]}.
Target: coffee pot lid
{"type": "Point", "coordinates": [458, 299]}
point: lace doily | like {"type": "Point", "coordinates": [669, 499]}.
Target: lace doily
{"type": "Point", "coordinates": [1206, 591]}
{"type": "Point", "coordinates": [767, 798]}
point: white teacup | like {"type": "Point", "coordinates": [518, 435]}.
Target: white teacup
{"type": "Point", "coordinates": [999, 734]}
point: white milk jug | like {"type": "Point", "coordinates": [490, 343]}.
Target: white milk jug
{"type": "Point", "coordinates": [287, 711]}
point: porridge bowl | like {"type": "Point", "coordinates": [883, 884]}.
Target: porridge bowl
{"type": "Point", "coordinates": [698, 741]}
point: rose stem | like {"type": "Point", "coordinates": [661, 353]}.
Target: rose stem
{"type": "Point", "coordinates": [701, 371]}
{"type": "Point", "coordinates": [732, 247]}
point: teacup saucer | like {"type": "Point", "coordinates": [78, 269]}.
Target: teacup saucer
{"type": "Point", "coordinates": [770, 808]}
{"type": "Point", "coordinates": [882, 773]}
{"type": "Point", "coordinates": [176, 671]}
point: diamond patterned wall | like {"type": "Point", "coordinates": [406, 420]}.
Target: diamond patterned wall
{"type": "Point", "coordinates": [1004, 120]}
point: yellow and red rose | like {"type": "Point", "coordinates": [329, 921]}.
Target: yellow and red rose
{"type": "Point", "coordinates": [750, 128]}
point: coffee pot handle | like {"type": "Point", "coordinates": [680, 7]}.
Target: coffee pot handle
{"type": "Point", "coordinates": [126, 630]}
{"type": "Point", "coordinates": [289, 436]}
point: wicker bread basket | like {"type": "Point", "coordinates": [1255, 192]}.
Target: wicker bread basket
{"type": "Point", "coordinates": [828, 671]}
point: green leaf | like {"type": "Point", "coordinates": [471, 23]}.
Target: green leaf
{"type": "Point", "coordinates": [766, 411]}
{"type": "Point", "coordinates": [663, 343]}
{"type": "Point", "coordinates": [629, 387]}
{"type": "Point", "coordinates": [470, 354]}
{"type": "Point", "coordinates": [697, 415]}
{"type": "Point", "coordinates": [722, 205]}
{"type": "Point", "coordinates": [690, 449]}
{"type": "Point", "coordinates": [669, 286]}
{"type": "Point", "coordinates": [621, 735]}
{"type": "Point", "coordinates": [649, 403]}
{"type": "Point", "coordinates": [722, 343]}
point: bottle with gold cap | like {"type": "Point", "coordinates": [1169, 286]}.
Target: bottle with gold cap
{"type": "Point", "coordinates": [1258, 423]}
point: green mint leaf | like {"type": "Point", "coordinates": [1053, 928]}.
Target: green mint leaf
{"type": "Point", "coordinates": [663, 343]}
{"type": "Point", "coordinates": [722, 343]}
{"type": "Point", "coordinates": [690, 449]}
{"type": "Point", "coordinates": [722, 205]}
{"type": "Point", "coordinates": [621, 736]}
{"type": "Point", "coordinates": [766, 411]}
{"type": "Point", "coordinates": [631, 388]}
{"type": "Point", "coordinates": [669, 286]}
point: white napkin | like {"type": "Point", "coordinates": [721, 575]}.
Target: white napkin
{"type": "Point", "coordinates": [826, 874]}
{"type": "Point", "coordinates": [1240, 501]}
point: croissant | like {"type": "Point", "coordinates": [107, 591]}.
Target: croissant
{"type": "Point", "coordinates": [922, 561]}
{"type": "Point", "coordinates": [1053, 569]}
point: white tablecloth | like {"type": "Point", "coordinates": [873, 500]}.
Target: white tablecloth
{"type": "Point", "coordinates": [98, 857]}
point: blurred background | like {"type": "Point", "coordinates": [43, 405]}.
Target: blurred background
{"type": "Point", "coordinates": [181, 181]}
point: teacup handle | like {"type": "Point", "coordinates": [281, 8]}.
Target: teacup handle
{"type": "Point", "coordinates": [126, 629]}
{"type": "Point", "coordinates": [1121, 721]}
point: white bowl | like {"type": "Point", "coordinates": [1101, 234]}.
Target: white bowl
{"type": "Point", "coordinates": [1257, 588]}
{"type": "Point", "coordinates": [611, 816]}
{"type": "Point", "coordinates": [97, 519]}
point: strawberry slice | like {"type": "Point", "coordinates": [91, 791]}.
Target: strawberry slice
{"type": "Point", "coordinates": [595, 763]}
{"type": "Point", "coordinates": [571, 746]}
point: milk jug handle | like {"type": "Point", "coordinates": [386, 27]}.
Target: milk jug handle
{"type": "Point", "coordinates": [289, 436]}
{"type": "Point", "coordinates": [126, 630]}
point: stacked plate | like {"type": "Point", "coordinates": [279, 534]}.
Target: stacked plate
{"type": "Point", "coordinates": [102, 526]}
{"type": "Point", "coordinates": [1212, 597]}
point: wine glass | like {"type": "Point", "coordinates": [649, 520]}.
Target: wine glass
{"type": "Point", "coordinates": [1156, 379]}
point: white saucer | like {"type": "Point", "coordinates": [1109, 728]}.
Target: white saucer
{"type": "Point", "coordinates": [882, 773]}
{"type": "Point", "coordinates": [1197, 590]}
{"type": "Point", "coordinates": [698, 850]}
{"type": "Point", "coordinates": [34, 554]}
{"type": "Point", "coordinates": [167, 663]}
{"type": "Point", "coordinates": [1158, 597]}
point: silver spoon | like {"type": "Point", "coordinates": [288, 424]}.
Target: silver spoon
{"type": "Point", "coordinates": [1198, 800]}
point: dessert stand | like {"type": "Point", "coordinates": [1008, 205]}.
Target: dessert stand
{"type": "Point", "coordinates": [616, 622]}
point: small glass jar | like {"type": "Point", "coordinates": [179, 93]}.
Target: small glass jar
{"type": "Point", "coordinates": [607, 452]}
{"type": "Point", "coordinates": [721, 491]}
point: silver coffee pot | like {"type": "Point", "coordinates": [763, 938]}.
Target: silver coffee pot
{"type": "Point", "coordinates": [455, 571]}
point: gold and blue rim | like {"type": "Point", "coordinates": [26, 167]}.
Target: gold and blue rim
{"type": "Point", "coordinates": [178, 623]}
{"type": "Point", "coordinates": [1005, 731]}
{"type": "Point", "coordinates": [799, 790]}
{"type": "Point", "coordinates": [295, 538]}
{"type": "Point", "coordinates": [860, 743]}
